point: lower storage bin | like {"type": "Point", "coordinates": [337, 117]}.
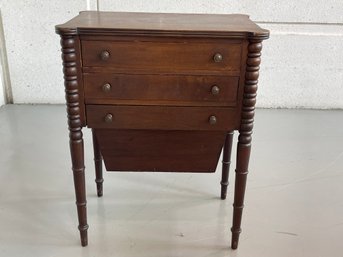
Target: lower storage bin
{"type": "Point", "coordinates": [160, 150]}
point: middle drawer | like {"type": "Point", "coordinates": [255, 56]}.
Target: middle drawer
{"type": "Point", "coordinates": [158, 89]}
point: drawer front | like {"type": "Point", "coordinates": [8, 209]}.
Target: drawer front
{"type": "Point", "coordinates": [170, 56]}
{"type": "Point", "coordinates": [160, 117]}
{"type": "Point", "coordinates": [220, 90]}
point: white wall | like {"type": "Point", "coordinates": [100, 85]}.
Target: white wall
{"type": "Point", "coordinates": [301, 65]}
{"type": "Point", "coordinates": [2, 51]}
{"type": "Point", "coordinates": [2, 97]}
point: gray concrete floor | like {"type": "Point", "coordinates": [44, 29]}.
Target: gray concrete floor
{"type": "Point", "coordinates": [294, 204]}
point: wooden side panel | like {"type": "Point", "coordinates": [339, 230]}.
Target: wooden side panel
{"type": "Point", "coordinates": [156, 150]}
{"type": "Point", "coordinates": [78, 61]}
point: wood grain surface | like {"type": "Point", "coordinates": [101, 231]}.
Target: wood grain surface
{"type": "Point", "coordinates": [164, 117]}
{"type": "Point", "coordinates": [176, 56]}
{"type": "Point", "coordinates": [93, 22]}
{"type": "Point", "coordinates": [157, 150]}
{"type": "Point", "coordinates": [154, 89]}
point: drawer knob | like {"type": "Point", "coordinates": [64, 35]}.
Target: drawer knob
{"type": "Point", "coordinates": [212, 120]}
{"type": "Point", "coordinates": [108, 118]}
{"type": "Point", "coordinates": [106, 88]}
{"type": "Point", "coordinates": [105, 55]}
{"type": "Point", "coordinates": [217, 57]}
{"type": "Point", "coordinates": [215, 90]}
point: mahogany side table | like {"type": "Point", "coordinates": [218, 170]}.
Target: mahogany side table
{"type": "Point", "coordinates": [161, 92]}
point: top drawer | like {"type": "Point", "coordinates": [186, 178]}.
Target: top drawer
{"type": "Point", "coordinates": [189, 55]}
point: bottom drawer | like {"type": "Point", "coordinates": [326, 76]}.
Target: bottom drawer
{"type": "Point", "coordinates": [161, 117]}
{"type": "Point", "coordinates": [160, 150]}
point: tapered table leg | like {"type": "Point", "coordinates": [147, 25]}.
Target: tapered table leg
{"type": "Point", "coordinates": [98, 165]}
{"type": "Point", "coordinates": [226, 164]}
{"type": "Point", "coordinates": [243, 153]}
{"type": "Point", "coordinates": [245, 131]}
{"type": "Point", "coordinates": [77, 155]}
{"type": "Point", "coordinates": [70, 59]}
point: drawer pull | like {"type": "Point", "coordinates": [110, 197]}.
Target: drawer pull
{"type": "Point", "coordinates": [105, 55]}
{"type": "Point", "coordinates": [106, 88]}
{"type": "Point", "coordinates": [108, 118]}
{"type": "Point", "coordinates": [212, 120]}
{"type": "Point", "coordinates": [217, 57]}
{"type": "Point", "coordinates": [215, 90]}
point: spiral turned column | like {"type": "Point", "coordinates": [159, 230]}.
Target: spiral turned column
{"type": "Point", "coordinates": [70, 70]}
{"type": "Point", "coordinates": [245, 131]}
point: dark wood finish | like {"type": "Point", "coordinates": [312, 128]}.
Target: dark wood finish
{"type": "Point", "coordinates": [245, 132]}
{"type": "Point", "coordinates": [162, 92]}
{"type": "Point", "coordinates": [70, 70]}
{"type": "Point", "coordinates": [98, 165]}
{"type": "Point", "coordinates": [167, 24]}
{"type": "Point", "coordinates": [156, 103]}
{"type": "Point", "coordinates": [169, 89]}
{"type": "Point", "coordinates": [226, 164]}
{"type": "Point", "coordinates": [145, 150]}
{"type": "Point", "coordinates": [120, 70]}
{"type": "Point", "coordinates": [163, 117]}
{"type": "Point", "coordinates": [185, 55]}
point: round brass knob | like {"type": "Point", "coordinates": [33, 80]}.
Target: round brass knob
{"type": "Point", "coordinates": [105, 55]}
{"type": "Point", "coordinates": [106, 87]}
{"type": "Point", "coordinates": [212, 120]}
{"type": "Point", "coordinates": [217, 57]}
{"type": "Point", "coordinates": [215, 90]}
{"type": "Point", "coordinates": [108, 118]}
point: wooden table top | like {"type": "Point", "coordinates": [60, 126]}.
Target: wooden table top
{"type": "Point", "coordinates": [238, 25]}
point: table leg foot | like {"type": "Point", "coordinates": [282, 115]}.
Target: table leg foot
{"type": "Point", "coordinates": [83, 235]}
{"type": "Point", "coordinates": [99, 188]}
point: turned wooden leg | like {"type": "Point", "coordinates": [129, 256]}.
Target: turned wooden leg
{"type": "Point", "coordinates": [245, 131]}
{"type": "Point", "coordinates": [70, 59]}
{"type": "Point", "coordinates": [77, 155]}
{"type": "Point", "coordinates": [243, 153]}
{"type": "Point", "coordinates": [98, 165]}
{"type": "Point", "coordinates": [226, 164]}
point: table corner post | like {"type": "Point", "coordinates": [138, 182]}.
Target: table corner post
{"type": "Point", "coordinates": [245, 132]}
{"type": "Point", "coordinates": [72, 74]}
